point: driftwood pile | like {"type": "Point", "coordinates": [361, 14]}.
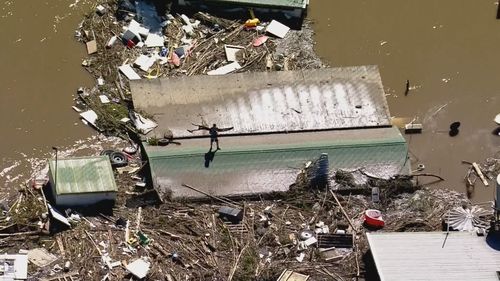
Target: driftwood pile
{"type": "Point", "coordinates": [204, 51]}
{"type": "Point", "coordinates": [485, 172]}
{"type": "Point", "coordinates": [189, 241]}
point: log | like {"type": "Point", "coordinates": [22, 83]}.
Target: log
{"type": "Point", "coordinates": [343, 212]}
{"type": "Point", "coordinates": [225, 201]}
{"type": "Point", "coordinates": [170, 234]}
{"type": "Point", "coordinates": [66, 276]}
{"type": "Point", "coordinates": [93, 242]}
{"type": "Point", "coordinates": [19, 233]}
{"type": "Point", "coordinates": [138, 221]}
{"type": "Point", "coordinates": [8, 226]}
{"type": "Point", "coordinates": [60, 245]}
{"type": "Point", "coordinates": [161, 250]}
{"type": "Point", "coordinates": [428, 175]}
{"type": "Point", "coordinates": [120, 91]}
{"type": "Point", "coordinates": [235, 266]}
{"type": "Point", "coordinates": [357, 261]}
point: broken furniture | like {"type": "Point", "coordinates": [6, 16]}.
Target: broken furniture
{"type": "Point", "coordinates": [290, 275]}
{"type": "Point", "coordinates": [231, 214]}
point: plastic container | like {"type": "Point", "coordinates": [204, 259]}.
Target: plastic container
{"type": "Point", "coordinates": [252, 22]}
{"type": "Point", "coordinates": [374, 218]}
{"type": "Point", "coordinates": [375, 194]}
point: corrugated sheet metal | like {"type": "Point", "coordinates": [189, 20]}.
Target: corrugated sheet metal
{"type": "Point", "coordinates": [83, 175]}
{"type": "Point", "coordinates": [265, 163]}
{"type": "Point", "coordinates": [278, 3]}
{"type": "Point", "coordinates": [420, 256]}
{"type": "Point", "coordinates": [285, 101]}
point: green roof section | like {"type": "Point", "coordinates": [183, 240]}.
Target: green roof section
{"type": "Point", "coordinates": [253, 164]}
{"type": "Point", "coordinates": [343, 154]}
{"type": "Point", "coordinates": [293, 148]}
{"type": "Point", "coordinates": [341, 157]}
{"type": "Point", "coordinates": [83, 175]}
{"type": "Point", "coordinates": [272, 3]}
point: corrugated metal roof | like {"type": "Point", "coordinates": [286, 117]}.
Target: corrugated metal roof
{"type": "Point", "coordinates": [83, 175]}
{"type": "Point", "coordinates": [281, 3]}
{"type": "Point", "coordinates": [284, 101]}
{"type": "Point", "coordinates": [265, 163]}
{"type": "Point", "coordinates": [420, 256]}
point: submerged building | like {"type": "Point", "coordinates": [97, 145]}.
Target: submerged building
{"type": "Point", "coordinates": [280, 121]}
{"type": "Point", "coordinates": [293, 10]}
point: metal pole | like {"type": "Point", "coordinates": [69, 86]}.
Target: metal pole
{"type": "Point", "coordinates": [55, 180]}
{"type": "Point", "coordinates": [447, 229]}
{"type": "Point", "coordinates": [497, 200]}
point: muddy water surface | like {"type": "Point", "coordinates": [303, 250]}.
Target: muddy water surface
{"type": "Point", "coordinates": [40, 72]}
{"type": "Point", "coordinates": [449, 50]}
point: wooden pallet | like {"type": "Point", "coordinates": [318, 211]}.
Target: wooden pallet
{"type": "Point", "coordinates": [236, 228]}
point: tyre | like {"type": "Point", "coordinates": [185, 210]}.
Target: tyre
{"type": "Point", "coordinates": [107, 152]}
{"type": "Point", "coordinates": [118, 159]}
{"type": "Point", "coordinates": [163, 142]}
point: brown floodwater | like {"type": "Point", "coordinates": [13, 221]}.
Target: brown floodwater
{"type": "Point", "coordinates": [40, 72]}
{"type": "Point", "coordinates": [448, 50]}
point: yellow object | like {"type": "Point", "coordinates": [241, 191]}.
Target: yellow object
{"type": "Point", "coordinates": [150, 76]}
{"type": "Point", "coordinates": [252, 23]}
{"type": "Point", "coordinates": [252, 14]}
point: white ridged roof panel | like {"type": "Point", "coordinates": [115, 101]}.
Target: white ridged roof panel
{"type": "Point", "coordinates": [266, 102]}
{"type": "Point", "coordinates": [421, 256]}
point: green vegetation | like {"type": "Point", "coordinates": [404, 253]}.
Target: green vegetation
{"type": "Point", "coordinates": [247, 266]}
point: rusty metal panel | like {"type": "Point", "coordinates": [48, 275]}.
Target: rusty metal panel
{"type": "Point", "coordinates": [266, 102]}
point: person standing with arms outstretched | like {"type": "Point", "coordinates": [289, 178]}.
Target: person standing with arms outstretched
{"type": "Point", "coordinates": [214, 133]}
{"type": "Point", "coordinates": [214, 136]}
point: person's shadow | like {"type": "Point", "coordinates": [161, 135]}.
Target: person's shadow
{"type": "Point", "coordinates": [209, 157]}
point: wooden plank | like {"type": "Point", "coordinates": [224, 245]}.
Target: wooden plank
{"type": "Point", "coordinates": [91, 47]}
{"type": "Point", "coordinates": [480, 173]}
{"type": "Point", "coordinates": [69, 275]}
{"type": "Point", "coordinates": [60, 245]}
{"type": "Point", "coordinates": [343, 212]}
{"type": "Point", "coordinates": [236, 228]}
